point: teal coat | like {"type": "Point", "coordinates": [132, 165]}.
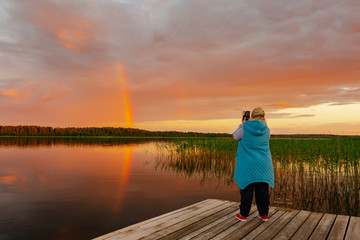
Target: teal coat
{"type": "Point", "coordinates": [253, 157]}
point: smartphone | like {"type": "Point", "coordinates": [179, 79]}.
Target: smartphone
{"type": "Point", "coordinates": [246, 115]}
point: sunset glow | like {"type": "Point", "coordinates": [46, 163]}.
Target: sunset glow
{"type": "Point", "coordinates": [180, 65]}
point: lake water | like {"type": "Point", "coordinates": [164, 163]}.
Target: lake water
{"type": "Point", "coordinates": [81, 188]}
{"type": "Point", "coordinates": [53, 188]}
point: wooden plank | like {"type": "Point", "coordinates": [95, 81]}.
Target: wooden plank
{"type": "Point", "coordinates": [308, 226]}
{"type": "Point", "coordinates": [246, 229]}
{"type": "Point", "coordinates": [293, 225]}
{"type": "Point", "coordinates": [339, 228]}
{"type": "Point", "coordinates": [204, 224]}
{"type": "Point", "coordinates": [226, 230]}
{"type": "Point", "coordinates": [225, 225]}
{"type": "Point", "coordinates": [323, 228]}
{"type": "Point", "coordinates": [274, 228]}
{"type": "Point", "coordinates": [203, 229]}
{"type": "Point", "coordinates": [254, 233]}
{"type": "Point", "coordinates": [215, 219]}
{"type": "Point", "coordinates": [353, 230]}
{"type": "Point", "coordinates": [190, 221]}
{"type": "Point", "coordinates": [163, 216]}
{"type": "Point", "coordinates": [145, 230]}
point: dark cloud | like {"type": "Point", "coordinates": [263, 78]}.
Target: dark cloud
{"type": "Point", "coordinates": [183, 59]}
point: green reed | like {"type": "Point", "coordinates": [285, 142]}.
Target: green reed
{"type": "Point", "coordinates": [314, 174]}
{"type": "Point", "coordinates": [205, 158]}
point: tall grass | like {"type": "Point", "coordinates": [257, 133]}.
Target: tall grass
{"type": "Point", "coordinates": [314, 174]}
{"type": "Point", "coordinates": [204, 158]}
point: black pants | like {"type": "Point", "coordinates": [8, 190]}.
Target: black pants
{"type": "Point", "coordinates": [261, 197]}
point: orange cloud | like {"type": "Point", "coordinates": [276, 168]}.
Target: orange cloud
{"type": "Point", "coordinates": [282, 104]}
{"type": "Point", "coordinates": [279, 105]}
{"type": "Point", "coordinates": [8, 179]}
{"type": "Point", "coordinates": [69, 28]}
{"type": "Point", "coordinates": [71, 46]}
{"type": "Point", "coordinates": [74, 30]}
{"type": "Point", "coordinates": [14, 94]}
{"type": "Point", "coordinates": [53, 95]}
{"type": "Point", "coordinates": [72, 33]}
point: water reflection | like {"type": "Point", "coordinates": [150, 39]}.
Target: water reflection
{"type": "Point", "coordinates": [53, 188]}
{"type": "Point", "coordinates": [27, 142]}
{"type": "Point", "coordinates": [124, 178]}
{"type": "Point", "coordinates": [319, 184]}
{"type": "Point", "coordinates": [62, 192]}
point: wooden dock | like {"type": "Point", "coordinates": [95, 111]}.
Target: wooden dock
{"type": "Point", "coordinates": [215, 219]}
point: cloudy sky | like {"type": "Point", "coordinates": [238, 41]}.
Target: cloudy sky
{"type": "Point", "coordinates": [181, 64]}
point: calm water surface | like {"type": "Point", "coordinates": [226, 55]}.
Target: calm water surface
{"type": "Point", "coordinates": [80, 189]}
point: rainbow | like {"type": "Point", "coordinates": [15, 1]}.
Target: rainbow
{"type": "Point", "coordinates": [126, 95]}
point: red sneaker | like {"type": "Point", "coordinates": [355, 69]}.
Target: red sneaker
{"type": "Point", "coordinates": [241, 218]}
{"type": "Point", "coordinates": [264, 218]}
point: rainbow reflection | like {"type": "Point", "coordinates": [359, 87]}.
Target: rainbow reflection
{"type": "Point", "coordinates": [124, 177]}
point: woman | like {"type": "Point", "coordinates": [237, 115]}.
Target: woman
{"type": "Point", "coordinates": [254, 169]}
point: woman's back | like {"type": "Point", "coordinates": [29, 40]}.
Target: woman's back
{"type": "Point", "coordinates": [253, 157]}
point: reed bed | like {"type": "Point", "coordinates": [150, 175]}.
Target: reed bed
{"type": "Point", "coordinates": [312, 174]}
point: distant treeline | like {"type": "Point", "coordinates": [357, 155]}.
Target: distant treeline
{"type": "Point", "coordinates": [27, 130]}
{"type": "Point", "coordinates": [97, 131]}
